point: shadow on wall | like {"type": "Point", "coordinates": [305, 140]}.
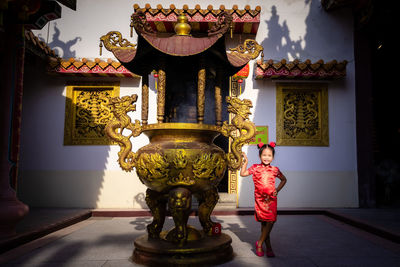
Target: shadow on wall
{"type": "Point", "coordinates": [52, 174]}
{"type": "Point", "coordinates": [62, 49]}
{"type": "Point", "coordinates": [278, 41]}
{"type": "Point", "coordinates": [323, 32]}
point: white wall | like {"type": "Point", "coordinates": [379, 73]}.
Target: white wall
{"type": "Point", "coordinates": [317, 176]}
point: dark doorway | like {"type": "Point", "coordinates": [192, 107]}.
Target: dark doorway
{"type": "Point", "coordinates": [378, 123]}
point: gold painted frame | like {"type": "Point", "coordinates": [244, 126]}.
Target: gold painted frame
{"type": "Point", "coordinates": [86, 112]}
{"type": "Point", "coordinates": [233, 175]}
{"type": "Point", "coordinates": [302, 117]}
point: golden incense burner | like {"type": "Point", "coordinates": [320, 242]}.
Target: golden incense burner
{"type": "Point", "coordinates": [181, 159]}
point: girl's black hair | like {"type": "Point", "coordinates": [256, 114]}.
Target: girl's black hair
{"type": "Point", "coordinates": [261, 149]}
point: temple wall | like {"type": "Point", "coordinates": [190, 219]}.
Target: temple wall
{"type": "Point", "coordinates": [88, 176]}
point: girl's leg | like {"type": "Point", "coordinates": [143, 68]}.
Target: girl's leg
{"type": "Point", "coordinates": [268, 240]}
{"type": "Point", "coordinates": [264, 232]}
{"type": "Point", "coordinates": [259, 243]}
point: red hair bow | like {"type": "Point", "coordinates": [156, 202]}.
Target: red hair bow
{"type": "Point", "coordinates": [272, 144]}
{"type": "Point", "coordinates": [260, 144]}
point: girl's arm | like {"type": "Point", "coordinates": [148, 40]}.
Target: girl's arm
{"type": "Point", "coordinates": [243, 170]}
{"type": "Point", "coordinates": [282, 182]}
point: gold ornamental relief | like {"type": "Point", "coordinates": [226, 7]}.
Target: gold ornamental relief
{"type": "Point", "coordinates": [152, 166]}
{"type": "Point", "coordinates": [209, 166]}
{"type": "Point", "coordinates": [114, 40]}
{"type": "Point", "coordinates": [181, 180]}
{"type": "Point", "coordinates": [180, 160]}
{"type": "Point", "coordinates": [87, 113]}
{"type": "Point", "coordinates": [302, 114]}
{"type": "Point", "coordinates": [249, 48]}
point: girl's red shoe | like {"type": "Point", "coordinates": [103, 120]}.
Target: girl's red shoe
{"type": "Point", "coordinates": [270, 253]}
{"type": "Point", "coordinates": [259, 250]}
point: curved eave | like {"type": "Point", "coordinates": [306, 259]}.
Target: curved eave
{"type": "Point", "coordinates": [149, 51]}
{"type": "Point", "coordinates": [181, 45]}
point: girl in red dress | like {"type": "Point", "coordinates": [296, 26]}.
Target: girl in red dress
{"type": "Point", "coordinates": [265, 193]}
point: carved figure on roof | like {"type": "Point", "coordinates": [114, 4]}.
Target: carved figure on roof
{"type": "Point", "coordinates": [222, 25]}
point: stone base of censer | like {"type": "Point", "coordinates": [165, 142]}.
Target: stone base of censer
{"type": "Point", "coordinates": [207, 250]}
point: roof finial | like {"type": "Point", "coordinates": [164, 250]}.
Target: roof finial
{"type": "Point", "coordinates": [182, 27]}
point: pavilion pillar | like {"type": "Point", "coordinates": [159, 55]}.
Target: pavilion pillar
{"type": "Point", "coordinates": [161, 95]}
{"type": "Point", "coordinates": [201, 86]}
{"type": "Point", "coordinates": [145, 99]}
{"type": "Point", "coordinates": [12, 51]}
{"type": "Point", "coordinates": [218, 99]}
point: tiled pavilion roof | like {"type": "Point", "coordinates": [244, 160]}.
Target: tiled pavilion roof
{"type": "Point", "coordinates": [163, 19]}
{"type": "Point", "coordinates": [96, 67]}
{"type": "Point", "coordinates": [296, 69]}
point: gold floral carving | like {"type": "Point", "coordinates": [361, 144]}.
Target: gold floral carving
{"type": "Point", "coordinates": [87, 112]}
{"type": "Point", "coordinates": [152, 166]}
{"type": "Point", "coordinates": [250, 47]}
{"type": "Point", "coordinates": [246, 129]}
{"type": "Point", "coordinates": [302, 114]}
{"type": "Point", "coordinates": [120, 107]}
{"type": "Point", "coordinates": [209, 166]}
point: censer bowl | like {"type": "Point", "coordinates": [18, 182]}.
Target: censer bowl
{"type": "Point", "coordinates": [180, 154]}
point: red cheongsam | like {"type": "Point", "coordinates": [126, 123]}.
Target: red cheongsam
{"type": "Point", "coordinates": [264, 187]}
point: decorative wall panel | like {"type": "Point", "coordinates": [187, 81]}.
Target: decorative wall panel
{"type": "Point", "coordinates": [87, 113]}
{"type": "Point", "coordinates": [302, 114]}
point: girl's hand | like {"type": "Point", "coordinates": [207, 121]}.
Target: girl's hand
{"type": "Point", "coordinates": [275, 193]}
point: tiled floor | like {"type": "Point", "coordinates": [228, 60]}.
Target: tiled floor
{"type": "Point", "coordinates": [298, 240]}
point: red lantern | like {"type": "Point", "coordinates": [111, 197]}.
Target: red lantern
{"type": "Point", "coordinates": [242, 74]}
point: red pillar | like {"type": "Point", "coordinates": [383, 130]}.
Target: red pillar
{"type": "Point", "coordinates": [12, 51]}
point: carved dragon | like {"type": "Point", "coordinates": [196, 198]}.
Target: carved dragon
{"type": "Point", "coordinates": [246, 129]}
{"type": "Point", "coordinates": [222, 25]}
{"type": "Point", "coordinates": [139, 22]}
{"type": "Point", "coordinates": [120, 107]}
